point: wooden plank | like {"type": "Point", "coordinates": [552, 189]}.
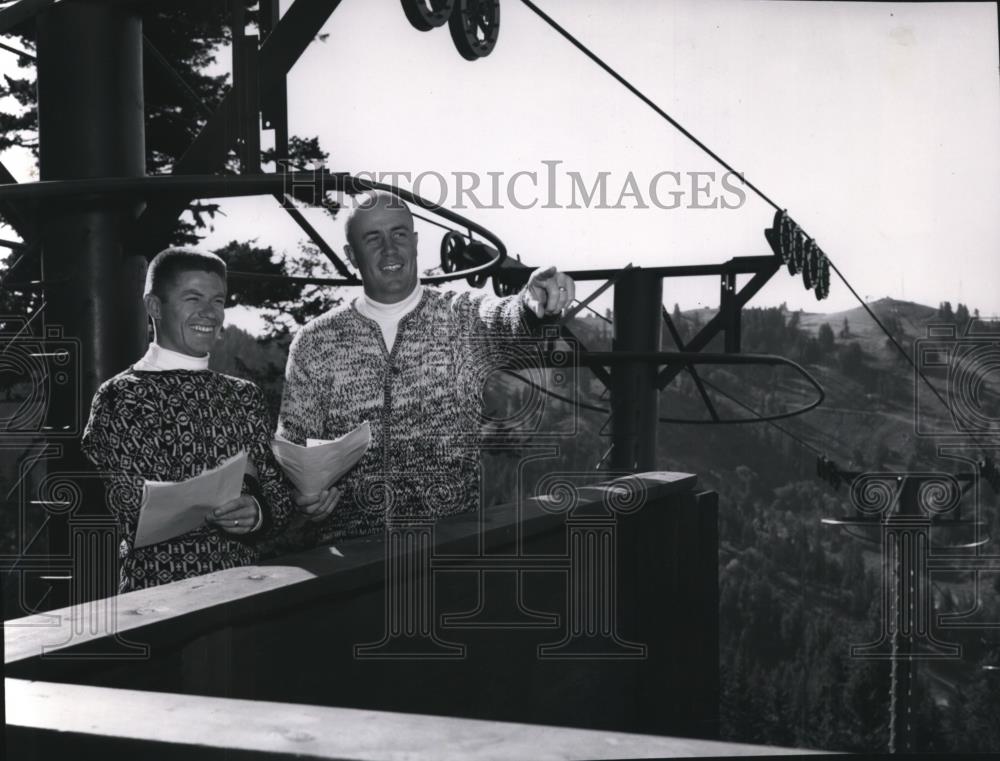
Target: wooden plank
{"type": "Point", "coordinates": [184, 609]}
{"type": "Point", "coordinates": [323, 732]}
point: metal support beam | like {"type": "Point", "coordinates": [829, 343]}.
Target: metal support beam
{"type": "Point", "coordinates": [740, 265]}
{"type": "Point", "coordinates": [90, 116]}
{"type": "Point", "coordinates": [21, 11]}
{"type": "Point", "coordinates": [90, 111]}
{"type": "Point", "coordinates": [634, 395]}
{"type": "Point", "coordinates": [737, 301]}
{"type": "Point", "coordinates": [288, 204]}
{"type": "Point", "coordinates": [10, 213]}
{"type": "Point", "coordinates": [679, 341]}
{"type": "Point", "coordinates": [274, 107]}
{"type": "Point", "coordinates": [729, 308]}
{"type": "Point", "coordinates": [278, 53]}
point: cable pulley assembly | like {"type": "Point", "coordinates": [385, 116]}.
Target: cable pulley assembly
{"type": "Point", "coordinates": [474, 24]}
{"type": "Point", "coordinates": [425, 15]}
{"type": "Point", "coordinates": [457, 254]}
{"type": "Point", "coordinates": [799, 253]}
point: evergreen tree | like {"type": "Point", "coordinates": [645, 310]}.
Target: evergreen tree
{"type": "Point", "coordinates": [961, 315]}
{"type": "Point", "coordinates": [894, 327]}
{"type": "Point", "coordinates": [284, 304]}
{"type": "Point", "coordinates": [678, 319]}
{"type": "Point", "coordinates": [178, 97]}
{"type": "Point", "coordinates": [852, 360]}
{"type": "Point", "coordinates": [826, 338]}
{"type": "Point", "coordinates": [812, 351]}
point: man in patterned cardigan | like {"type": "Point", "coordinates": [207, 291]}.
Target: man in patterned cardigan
{"type": "Point", "coordinates": [412, 361]}
{"type": "Point", "coordinates": [169, 418]}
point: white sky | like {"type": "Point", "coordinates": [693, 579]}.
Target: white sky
{"type": "Point", "coordinates": [875, 124]}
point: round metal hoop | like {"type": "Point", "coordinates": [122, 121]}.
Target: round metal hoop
{"type": "Point", "coordinates": [305, 186]}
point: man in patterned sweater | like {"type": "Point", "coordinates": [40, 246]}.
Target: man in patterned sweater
{"type": "Point", "coordinates": [412, 361]}
{"type": "Point", "coordinates": [169, 418]}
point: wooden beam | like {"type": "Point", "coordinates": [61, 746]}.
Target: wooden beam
{"type": "Point", "coordinates": [184, 609]}
{"type": "Point", "coordinates": [291, 729]}
{"type": "Point", "coordinates": [324, 629]}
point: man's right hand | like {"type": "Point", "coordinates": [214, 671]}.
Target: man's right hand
{"type": "Point", "coordinates": [317, 507]}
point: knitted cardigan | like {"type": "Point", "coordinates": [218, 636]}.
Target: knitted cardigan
{"type": "Point", "coordinates": [171, 426]}
{"type": "Point", "coordinates": [423, 399]}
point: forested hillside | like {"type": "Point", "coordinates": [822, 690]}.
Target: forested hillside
{"type": "Point", "coordinates": [795, 593]}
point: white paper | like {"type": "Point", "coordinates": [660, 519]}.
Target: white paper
{"type": "Point", "coordinates": [172, 508]}
{"type": "Point", "coordinates": [321, 463]}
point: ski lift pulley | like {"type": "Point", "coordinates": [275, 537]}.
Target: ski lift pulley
{"type": "Point", "coordinates": [810, 264]}
{"type": "Point", "coordinates": [452, 250]}
{"type": "Point", "coordinates": [425, 15]}
{"type": "Point", "coordinates": [457, 254]}
{"type": "Point", "coordinates": [474, 27]}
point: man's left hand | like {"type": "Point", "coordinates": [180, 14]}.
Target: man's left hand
{"type": "Point", "coordinates": [240, 516]}
{"type": "Point", "coordinates": [548, 292]}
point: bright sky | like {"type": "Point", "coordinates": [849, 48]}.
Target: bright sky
{"type": "Point", "coordinates": [875, 124]}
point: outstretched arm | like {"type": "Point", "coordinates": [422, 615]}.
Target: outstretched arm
{"type": "Point", "coordinates": [548, 292]}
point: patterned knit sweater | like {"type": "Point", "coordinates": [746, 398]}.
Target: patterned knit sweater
{"type": "Point", "coordinates": [423, 399]}
{"type": "Point", "coordinates": [171, 426]}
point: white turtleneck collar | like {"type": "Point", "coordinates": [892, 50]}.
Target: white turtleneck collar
{"type": "Point", "coordinates": [388, 315]}
{"type": "Point", "coordinates": [158, 359]}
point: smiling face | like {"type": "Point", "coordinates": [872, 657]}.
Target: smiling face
{"type": "Point", "coordinates": [382, 244]}
{"type": "Point", "coordinates": [189, 314]}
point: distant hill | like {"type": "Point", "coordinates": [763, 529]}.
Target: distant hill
{"type": "Point", "coordinates": [913, 317]}
{"type": "Point", "coordinates": [870, 412]}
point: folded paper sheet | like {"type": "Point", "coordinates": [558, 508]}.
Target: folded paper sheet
{"type": "Point", "coordinates": [172, 508]}
{"type": "Point", "coordinates": [321, 463]}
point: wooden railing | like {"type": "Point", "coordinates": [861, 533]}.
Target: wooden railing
{"type": "Point", "coordinates": [49, 720]}
{"type": "Point", "coordinates": [587, 607]}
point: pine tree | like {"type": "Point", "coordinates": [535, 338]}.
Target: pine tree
{"type": "Point", "coordinates": [190, 35]}
{"type": "Point", "coordinates": [961, 315]}
{"type": "Point", "coordinates": [678, 319]}
{"type": "Point", "coordinates": [826, 338]}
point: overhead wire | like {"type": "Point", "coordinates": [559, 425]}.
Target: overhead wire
{"type": "Point", "coordinates": [677, 125]}
{"type": "Point", "coordinates": [893, 730]}
{"type": "Point", "coordinates": [639, 94]}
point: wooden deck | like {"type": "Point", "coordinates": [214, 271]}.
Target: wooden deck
{"type": "Point", "coordinates": [263, 661]}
